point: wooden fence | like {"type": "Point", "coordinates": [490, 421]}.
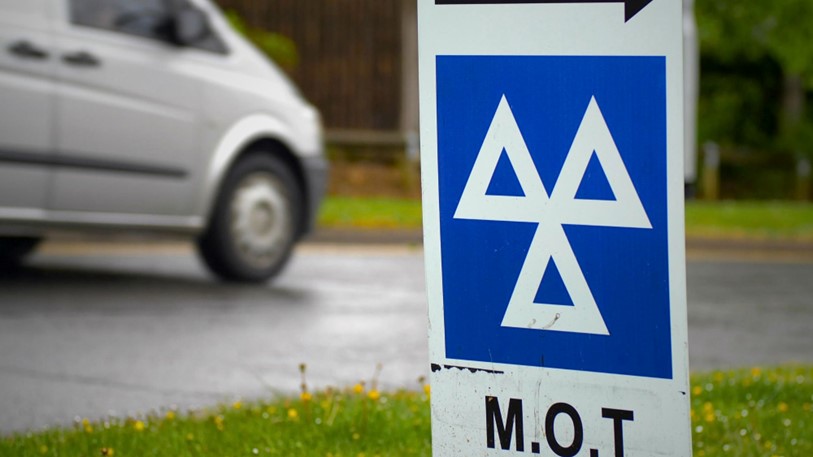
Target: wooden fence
{"type": "Point", "coordinates": [349, 55]}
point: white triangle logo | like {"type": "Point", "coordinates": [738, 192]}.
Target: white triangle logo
{"type": "Point", "coordinates": [475, 203]}
{"type": "Point", "coordinates": [626, 210]}
{"type": "Point", "coordinates": [551, 212]}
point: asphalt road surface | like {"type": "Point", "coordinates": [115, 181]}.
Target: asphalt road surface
{"type": "Point", "coordinates": [121, 329]}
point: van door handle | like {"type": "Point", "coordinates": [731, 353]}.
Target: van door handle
{"type": "Point", "coordinates": [27, 50]}
{"type": "Point", "coordinates": [81, 59]}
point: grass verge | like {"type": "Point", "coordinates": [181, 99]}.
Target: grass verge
{"type": "Point", "coordinates": [763, 220]}
{"type": "Point", "coordinates": [350, 422]}
{"type": "Point", "coordinates": [757, 220]}
{"type": "Point", "coordinates": [370, 213]}
{"type": "Point", "coordinates": [744, 413]}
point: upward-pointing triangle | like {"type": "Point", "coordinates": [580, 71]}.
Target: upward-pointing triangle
{"type": "Point", "coordinates": [552, 289]}
{"type": "Point", "coordinates": [504, 181]}
{"type": "Point", "coordinates": [503, 140]}
{"type": "Point", "coordinates": [594, 140]}
{"type": "Point", "coordinates": [595, 185]}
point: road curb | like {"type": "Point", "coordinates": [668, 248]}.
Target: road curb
{"type": "Point", "coordinates": [749, 249]}
{"type": "Point", "coordinates": [365, 236]}
{"type": "Point", "coordinates": [696, 247]}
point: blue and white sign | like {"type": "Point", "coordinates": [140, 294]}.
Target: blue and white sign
{"type": "Point", "coordinates": [551, 154]}
{"type": "Point", "coordinates": [552, 175]}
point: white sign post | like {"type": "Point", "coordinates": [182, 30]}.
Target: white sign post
{"type": "Point", "coordinates": [552, 161]}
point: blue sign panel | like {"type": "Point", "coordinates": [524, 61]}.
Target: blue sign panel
{"type": "Point", "coordinates": [553, 219]}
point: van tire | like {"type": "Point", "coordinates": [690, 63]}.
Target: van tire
{"type": "Point", "coordinates": [255, 221]}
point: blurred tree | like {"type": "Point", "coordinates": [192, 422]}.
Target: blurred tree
{"type": "Point", "coordinates": [762, 55]}
{"type": "Point", "coordinates": [278, 48]}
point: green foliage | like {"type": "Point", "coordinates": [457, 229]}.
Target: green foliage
{"type": "Point", "coordinates": [751, 54]}
{"type": "Point", "coordinates": [737, 30]}
{"type": "Point", "coordinates": [738, 103]}
{"type": "Point", "coordinates": [278, 48]}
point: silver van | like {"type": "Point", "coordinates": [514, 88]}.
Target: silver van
{"type": "Point", "coordinates": [152, 115]}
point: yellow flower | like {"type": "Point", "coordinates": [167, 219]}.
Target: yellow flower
{"type": "Point", "coordinates": [755, 372]}
{"type": "Point", "coordinates": [86, 426]}
{"type": "Point", "coordinates": [293, 414]}
{"type": "Point", "coordinates": [697, 390]}
{"type": "Point", "coordinates": [374, 395]}
{"type": "Point", "coordinates": [220, 423]}
{"type": "Point", "coordinates": [190, 437]}
{"type": "Point", "coordinates": [427, 389]}
{"type": "Point", "coordinates": [708, 412]}
{"type": "Point", "coordinates": [237, 405]}
{"type": "Point", "coordinates": [782, 407]}
{"type": "Point", "coordinates": [358, 388]}
{"type": "Point", "coordinates": [170, 415]}
{"type": "Point", "coordinates": [306, 397]}
{"type": "Point", "coordinates": [108, 451]}
{"type": "Point", "coordinates": [43, 449]}
{"type": "Point", "coordinates": [708, 407]}
{"type": "Point", "coordinates": [138, 426]}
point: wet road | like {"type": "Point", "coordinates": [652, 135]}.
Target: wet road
{"type": "Point", "coordinates": [113, 329]}
{"type": "Point", "coordinates": [749, 313]}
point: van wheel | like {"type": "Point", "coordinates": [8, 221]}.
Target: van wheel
{"type": "Point", "coordinates": [13, 250]}
{"type": "Point", "coordinates": [255, 221]}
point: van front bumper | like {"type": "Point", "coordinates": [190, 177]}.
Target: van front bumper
{"type": "Point", "coordinates": [315, 174]}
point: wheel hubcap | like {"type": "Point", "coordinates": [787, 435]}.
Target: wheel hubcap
{"type": "Point", "coordinates": [261, 219]}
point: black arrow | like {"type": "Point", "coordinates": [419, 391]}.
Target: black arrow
{"type": "Point", "coordinates": [631, 7]}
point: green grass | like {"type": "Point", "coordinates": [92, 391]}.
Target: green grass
{"type": "Point", "coordinates": [761, 220]}
{"type": "Point", "coordinates": [753, 413]}
{"type": "Point", "coordinates": [779, 220]}
{"type": "Point", "coordinates": [329, 423]}
{"type": "Point", "coordinates": [745, 413]}
{"type": "Point", "coordinates": [370, 213]}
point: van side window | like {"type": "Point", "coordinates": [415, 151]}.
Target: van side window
{"type": "Point", "coordinates": [144, 18]}
{"type": "Point", "coordinates": [134, 17]}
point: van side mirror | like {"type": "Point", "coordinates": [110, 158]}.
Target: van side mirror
{"type": "Point", "coordinates": [189, 25]}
